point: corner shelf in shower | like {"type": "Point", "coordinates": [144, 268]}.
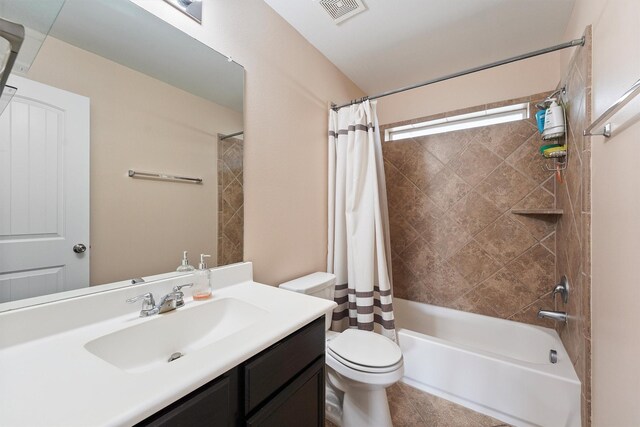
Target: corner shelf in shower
{"type": "Point", "coordinates": [551, 211]}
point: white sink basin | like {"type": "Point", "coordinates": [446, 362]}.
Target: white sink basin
{"type": "Point", "coordinates": [149, 345]}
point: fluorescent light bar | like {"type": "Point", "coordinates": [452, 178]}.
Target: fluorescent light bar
{"type": "Point", "coordinates": [488, 117]}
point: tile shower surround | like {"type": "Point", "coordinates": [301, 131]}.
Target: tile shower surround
{"type": "Point", "coordinates": [230, 200]}
{"type": "Point", "coordinates": [574, 227]}
{"type": "Point", "coordinates": [454, 241]}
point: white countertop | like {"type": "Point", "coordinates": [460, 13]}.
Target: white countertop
{"type": "Point", "coordinates": [53, 380]}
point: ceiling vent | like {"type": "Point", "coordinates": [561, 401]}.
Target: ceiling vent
{"type": "Point", "coordinates": [341, 10]}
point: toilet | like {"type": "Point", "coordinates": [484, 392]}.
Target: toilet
{"type": "Point", "coordinates": [360, 364]}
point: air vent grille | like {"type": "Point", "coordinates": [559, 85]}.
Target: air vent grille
{"type": "Point", "coordinates": [341, 10]}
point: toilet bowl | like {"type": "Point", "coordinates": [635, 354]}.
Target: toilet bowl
{"type": "Point", "coordinates": [360, 365]}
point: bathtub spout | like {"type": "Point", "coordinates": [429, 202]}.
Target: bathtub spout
{"type": "Point", "coordinates": [558, 316]}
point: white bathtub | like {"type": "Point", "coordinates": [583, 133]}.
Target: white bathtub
{"type": "Point", "coordinates": [497, 367]}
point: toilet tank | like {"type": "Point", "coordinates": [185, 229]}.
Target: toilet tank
{"type": "Point", "coordinates": [321, 285]}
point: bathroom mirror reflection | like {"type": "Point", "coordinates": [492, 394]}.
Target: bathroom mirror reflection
{"type": "Point", "coordinates": [93, 103]}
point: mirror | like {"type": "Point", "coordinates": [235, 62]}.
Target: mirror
{"type": "Point", "coordinates": [114, 89]}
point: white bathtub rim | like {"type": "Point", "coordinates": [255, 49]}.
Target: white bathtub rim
{"type": "Point", "coordinates": [501, 416]}
{"type": "Point", "coordinates": [568, 373]}
{"type": "Point", "coordinates": [449, 312]}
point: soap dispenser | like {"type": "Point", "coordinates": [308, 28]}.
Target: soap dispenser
{"type": "Point", "coordinates": [202, 280]}
{"type": "Point", "coordinates": [185, 267]}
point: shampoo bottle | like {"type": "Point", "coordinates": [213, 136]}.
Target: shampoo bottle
{"type": "Point", "coordinates": [553, 121]}
{"type": "Point", "coordinates": [202, 280]}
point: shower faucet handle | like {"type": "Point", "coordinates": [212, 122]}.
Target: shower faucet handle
{"type": "Point", "coordinates": [562, 288]}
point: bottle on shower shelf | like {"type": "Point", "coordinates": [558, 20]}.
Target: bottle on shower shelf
{"type": "Point", "coordinates": [553, 121]}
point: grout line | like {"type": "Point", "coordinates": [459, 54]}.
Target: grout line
{"type": "Point", "coordinates": [416, 187]}
{"type": "Point", "coordinates": [409, 400]}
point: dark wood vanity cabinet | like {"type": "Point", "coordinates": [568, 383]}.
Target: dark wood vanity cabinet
{"type": "Point", "coordinates": [301, 403]}
{"type": "Point", "coordinates": [214, 404]}
{"type": "Point", "coordinates": [282, 386]}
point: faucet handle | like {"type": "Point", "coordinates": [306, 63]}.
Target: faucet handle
{"type": "Point", "coordinates": [180, 287]}
{"type": "Point", "coordinates": [562, 288]}
{"type": "Point", "coordinates": [177, 290]}
{"type": "Point", "coordinates": [148, 303]}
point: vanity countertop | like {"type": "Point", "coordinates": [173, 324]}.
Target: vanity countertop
{"type": "Point", "coordinates": [53, 380]}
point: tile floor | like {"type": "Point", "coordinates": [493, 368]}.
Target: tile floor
{"type": "Point", "coordinates": [411, 407]}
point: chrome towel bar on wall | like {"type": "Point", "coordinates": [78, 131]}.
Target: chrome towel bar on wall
{"type": "Point", "coordinates": [164, 177]}
{"type": "Point", "coordinates": [611, 111]}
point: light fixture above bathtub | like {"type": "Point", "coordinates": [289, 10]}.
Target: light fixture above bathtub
{"type": "Point", "coordinates": [341, 10]}
{"type": "Point", "coordinates": [25, 26]}
{"type": "Point", "coordinates": [492, 116]}
{"type": "Point", "coordinates": [37, 18]}
{"type": "Point", "coordinates": [11, 38]}
{"type": "Point", "coordinates": [191, 8]}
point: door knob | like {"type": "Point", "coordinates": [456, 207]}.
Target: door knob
{"type": "Point", "coordinates": [79, 248]}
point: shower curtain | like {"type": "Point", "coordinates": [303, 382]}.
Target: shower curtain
{"type": "Point", "coordinates": [359, 249]}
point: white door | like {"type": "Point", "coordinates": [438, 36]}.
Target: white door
{"type": "Point", "coordinates": [44, 191]}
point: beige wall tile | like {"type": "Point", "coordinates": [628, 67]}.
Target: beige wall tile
{"type": "Point", "coordinates": [451, 232]}
{"type": "Point", "coordinates": [474, 212]}
{"type": "Point", "coordinates": [475, 163]}
{"type": "Point", "coordinates": [504, 240]}
{"type": "Point", "coordinates": [505, 187]}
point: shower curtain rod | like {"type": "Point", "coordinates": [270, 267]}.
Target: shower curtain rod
{"type": "Point", "coordinates": [231, 135]}
{"type": "Point", "coordinates": [572, 43]}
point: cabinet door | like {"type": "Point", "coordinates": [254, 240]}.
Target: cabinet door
{"type": "Point", "coordinates": [269, 371]}
{"type": "Point", "coordinates": [301, 403]}
{"type": "Point", "coordinates": [214, 404]}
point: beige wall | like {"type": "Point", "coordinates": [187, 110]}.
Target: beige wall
{"type": "Point", "coordinates": [516, 80]}
{"type": "Point", "coordinates": [288, 87]}
{"type": "Point", "coordinates": [141, 227]}
{"type": "Point", "coordinates": [615, 215]}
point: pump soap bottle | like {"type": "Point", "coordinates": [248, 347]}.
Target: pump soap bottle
{"type": "Point", "coordinates": [185, 266]}
{"type": "Point", "coordinates": [202, 280]}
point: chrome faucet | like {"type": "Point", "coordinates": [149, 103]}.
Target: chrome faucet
{"type": "Point", "coordinates": [148, 304]}
{"type": "Point", "coordinates": [177, 291]}
{"type": "Point", "coordinates": [561, 288]}
{"type": "Point", "coordinates": [558, 316]}
{"type": "Point", "coordinates": [169, 302]}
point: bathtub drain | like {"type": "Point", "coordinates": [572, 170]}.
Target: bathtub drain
{"type": "Point", "coordinates": [553, 356]}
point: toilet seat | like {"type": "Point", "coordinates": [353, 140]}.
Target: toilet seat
{"type": "Point", "coordinates": [361, 378]}
{"type": "Point", "coordinates": [364, 368]}
{"type": "Point", "coordinates": [365, 351]}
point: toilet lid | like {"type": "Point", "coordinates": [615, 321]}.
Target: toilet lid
{"type": "Point", "coordinates": [364, 348]}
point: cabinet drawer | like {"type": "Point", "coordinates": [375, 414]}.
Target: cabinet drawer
{"type": "Point", "coordinates": [268, 372]}
{"type": "Point", "coordinates": [301, 403]}
{"type": "Point", "coordinates": [214, 404]}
